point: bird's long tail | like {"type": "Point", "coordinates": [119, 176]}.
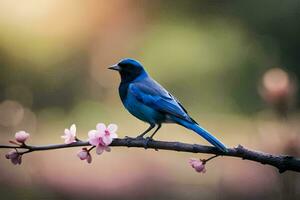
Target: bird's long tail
{"type": "Point", "coordinates": [203, 133]}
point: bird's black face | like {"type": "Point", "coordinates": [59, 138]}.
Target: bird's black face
{"type": "Point", "coordinates": [129, 69]}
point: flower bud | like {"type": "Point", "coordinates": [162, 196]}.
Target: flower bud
{"type": "Point", "coordinates": [198, 165]}
{"type": "Point", "coordinates": [14, 157]}
{"type": "Point", "coordinates": [21, 136]}
{"type": "Point", "coordinates": [84, 154]}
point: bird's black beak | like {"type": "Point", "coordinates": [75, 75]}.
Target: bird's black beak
{"type": "Point", "coordinates": [115, 67]}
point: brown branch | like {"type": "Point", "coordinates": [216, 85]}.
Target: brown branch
{"type": "Point", "coordinates": [281, 162]}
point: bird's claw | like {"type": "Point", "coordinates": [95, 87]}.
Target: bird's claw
{"type": "Point", "coordinates": [139, 137]}
{"type": "Point", "coordinates": [147, 140]}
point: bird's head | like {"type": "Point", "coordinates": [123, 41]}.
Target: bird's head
{"type": "Point", "coordinates": [129, 69]}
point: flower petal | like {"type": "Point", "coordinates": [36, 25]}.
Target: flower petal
{"type": "Point", "coordinates": [19, 159]}
{"type": "Point", "coordinates": [12, 154]}
{"type": "Point", "coordinates": [89, 158]}
{"type": "Point", "coordinates": [113, 135]}
{"type": "Point", "coordinates": [112, 128]}
{"type": "Point", "coordinates": [16, 160]}
{"type": "Point", "coordinates": [100, 149]}
{"type": "Point", "coordinates": [108, 149]}
{"type": "Point", "coordinates": [198, 165]}
{"type": "Point", "coordinates": [67, 131]}
{"type": "Point", "coordinates": [101, 127]}
{"type": "Point", "coordinates": [107, 140]}
{"type": "Point", "coordinates": [82, 155]}
{"type": "Point", "coordinates": [92, 134]}
{"type": "Point", "coordinates": [94, 141]}
{"type": "Point", "coordinates": [67, 140]}
{"type": "Point", "coordinates": [21, 136]}
{"type": "Point", "coordinates": [73, 129]}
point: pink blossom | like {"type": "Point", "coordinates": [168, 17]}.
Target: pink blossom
{"type": "Point", "coordinates": [101, 148]}
{"type": "Point", "coordinates": [102, 137]}
{"type": "Point", "coordinates": [198, 165]}
{"type": "Point", "coordinates": [21, 136]}
{"type": "Point", "coordinates": [14, 157]}
{"type": "Point", "coordinates": [70, 135]}
{"type": "Point", "coordinates": [84, 154]}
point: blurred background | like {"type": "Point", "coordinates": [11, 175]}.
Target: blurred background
{"type": "Point", "coordinates": [233, 64]}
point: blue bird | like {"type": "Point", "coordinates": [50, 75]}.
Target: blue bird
{"type": "Point", "coordinates": [148, 101]}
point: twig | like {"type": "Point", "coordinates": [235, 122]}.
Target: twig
{"type": "Point", "coordinates": [281, 162]}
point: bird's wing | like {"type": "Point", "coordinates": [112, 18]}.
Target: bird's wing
{"type": "Point", "coordinates": [179, 103]}
{"type": "Point", "coordinates": [155, 96]}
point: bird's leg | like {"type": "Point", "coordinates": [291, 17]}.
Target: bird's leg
{"type": "Point", "coordinates": [150, 138]}
{"type": "Point", "coordinates": [159, 126]}
{"type": "Point", "coordinates": [146, 131]}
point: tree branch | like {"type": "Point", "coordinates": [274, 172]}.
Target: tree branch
{"type": "Point", "coordinates": [281, 162]}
